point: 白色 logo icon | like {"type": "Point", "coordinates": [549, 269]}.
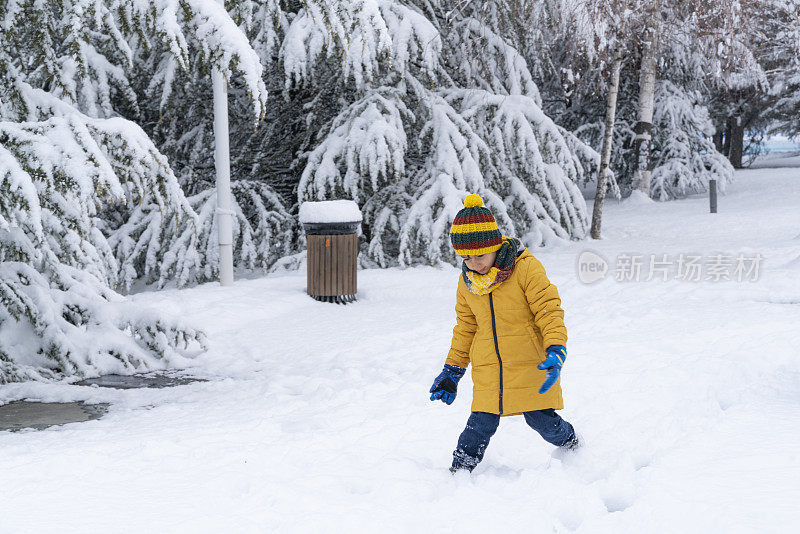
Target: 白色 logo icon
{"type": "Point", "coordinates": [592, 267]}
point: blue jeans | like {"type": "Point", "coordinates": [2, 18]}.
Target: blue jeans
{"type": "Point", "coordinates": [481, 426]}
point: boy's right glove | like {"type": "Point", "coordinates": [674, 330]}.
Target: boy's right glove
{"type": "Point", "coordinates": [444, 387]}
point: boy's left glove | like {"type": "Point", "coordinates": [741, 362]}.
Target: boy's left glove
{"type": "Point", "coordinates": [556, 354]}
{"type": "Point", "coordinates": [444, 386]}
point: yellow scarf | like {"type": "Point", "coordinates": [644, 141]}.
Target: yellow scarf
{"type": "Point", "coordinates": [483, 284]}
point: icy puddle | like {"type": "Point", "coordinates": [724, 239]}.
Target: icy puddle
{"type": "Point", "coordinates": [40, 415]}
{"type": "Point", "coordinates": [152, 381]}
{"type": "Point", "coordinates": [34, 415]}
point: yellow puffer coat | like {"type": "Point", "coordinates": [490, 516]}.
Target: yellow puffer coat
{"type": "Point", "coordinates": [504, 336]}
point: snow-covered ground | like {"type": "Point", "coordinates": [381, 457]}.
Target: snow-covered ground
{"type": "Point", "coordinates": [777, 160]}
{"type": "Point", "coordinates": [316, 417]}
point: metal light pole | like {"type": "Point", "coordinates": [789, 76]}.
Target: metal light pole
{"type": "Point", "coordinates": [223, 167]}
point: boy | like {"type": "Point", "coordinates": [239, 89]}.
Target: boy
{"type": "Point", "coordinates": [510, 327]}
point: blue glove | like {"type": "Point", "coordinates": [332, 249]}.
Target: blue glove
{"type": "Point", "coordinates": [556, 354]}
{"type": "Point", "coordinates": [444, 387]}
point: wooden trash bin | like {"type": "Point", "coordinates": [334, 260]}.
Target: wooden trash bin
{"type": "Point", "coordinates": [332, 256]}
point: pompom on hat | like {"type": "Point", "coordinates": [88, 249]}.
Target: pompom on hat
{"type": "Point", "coordinates": [474, 231]}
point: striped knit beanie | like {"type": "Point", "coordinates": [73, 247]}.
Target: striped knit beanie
{"type": "Point", "coordinates": [474, 231]}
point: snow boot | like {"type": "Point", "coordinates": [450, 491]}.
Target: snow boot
{"type": "Point", "coordinates": [573, 443]}
{"type": "Point", "coordinates": [569, 448]}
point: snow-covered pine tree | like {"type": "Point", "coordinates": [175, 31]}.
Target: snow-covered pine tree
{"type": "Point", "coordinates": [174, 94]}
{"type": "Point", "coordinates": [783, 63]}
{"type": "Point", "coordinates": [693, 58]}
{"type": "Point", "coordinates": [684, 155]}
{"type": "Point", "coordinates": [575, 48]}
{"type": "Point", "coordinates": [769, 101]}
{"type": "Point", "coordinates": [65, 157]}
{"type": "Point", "coordinates": [336, 64]}
{"type": "Point", "coordinates": [173, 109]}
{"type": "Point", "coordinates": [451, 108]}
{"type": "Point", "coordinates": [58, 313]}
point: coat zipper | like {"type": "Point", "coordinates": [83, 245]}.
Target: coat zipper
{"type": "Point", "coordinates": [497, 350]}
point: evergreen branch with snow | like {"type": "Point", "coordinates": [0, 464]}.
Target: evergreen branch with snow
{"type": "Point", "coordinates": [58, 309]}
{"type": "Point", "coordinates": [155, 248]}
{"type": "Point", "coordinates": [685, 158]}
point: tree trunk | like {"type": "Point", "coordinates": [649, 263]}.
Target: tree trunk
{"type": "Point", "coordinates": [726, 144]}
{"type": "Point", "coordinates": [647, 86]}
{"type": "Point", "coordinates": [605, 152]}
{"type": "Point", "coordinates": [737, 142]}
